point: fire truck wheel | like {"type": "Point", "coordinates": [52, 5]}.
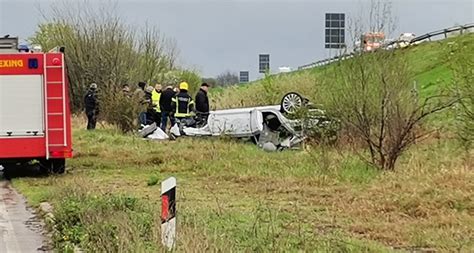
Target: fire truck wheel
{"type": "Point", "coordinates": [58, 166]}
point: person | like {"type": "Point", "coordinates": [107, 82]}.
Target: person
{"type": "Point", "coordinates": [140, 91]}
{"type": "Point", "coordinates": [147, 116]}
{"type": "Point", "coordinates": [165, 107]}
{"type": "Point", "coordinates": [92, 106]}
{"type": "Point", "coordinates": [126, 90]}
{"type": "Point", "coordinates": [183, 106]}
{"type": "Point", "coordinates": [155, 98]}
{"type": "Point", "coordinates": [202, 105]}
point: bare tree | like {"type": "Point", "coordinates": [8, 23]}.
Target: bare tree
{"type": "Point", "coordinates": [227, 78]}
{"type": "Point", "coordinates": [377, 105]}
{"type": "Point", "coordinates": [375, 99]}
{"type": "Point", "coordinates": [209, 80]}
{"type": "Point", "coordinates": [462, 65]}
{"type": "Point", "coordinates": [374, 17]}
{"type": "Point", "coordinates": [101, 48]}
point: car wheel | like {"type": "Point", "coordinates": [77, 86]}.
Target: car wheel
{"type": "Point", "coordinates": [291, 102]}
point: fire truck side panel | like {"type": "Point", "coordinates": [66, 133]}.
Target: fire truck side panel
{"type": "Point", "coordinates": [54, 104]}
{"type": "Point", "coordinates": [22, 147]}
{"type": "Point", "coordinates": [21, 105]}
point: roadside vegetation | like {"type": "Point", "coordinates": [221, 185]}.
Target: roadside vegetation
{"type": "Point", "coordinates": [399, 177]}
{"type": "Point", "coordinates": [233, 196]}
{"type": "Point", "coordinates": [101, 48]}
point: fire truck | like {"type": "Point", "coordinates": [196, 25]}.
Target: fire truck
{"type": "Point", "coordinates": [35, 122]}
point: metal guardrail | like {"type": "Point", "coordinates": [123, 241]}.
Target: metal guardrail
{"type": "Point", "coordinates": [429, 36]}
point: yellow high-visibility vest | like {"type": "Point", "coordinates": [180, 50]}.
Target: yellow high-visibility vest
{"type": "Point", "coordinates": [155, 99]}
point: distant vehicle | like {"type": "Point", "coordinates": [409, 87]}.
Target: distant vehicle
{"type": "Point", "coordinates": [372, 41]}
{"type": "Point", "coordinates": [284, 69]}
{"type": "Point", "coordinates": [404, 39]}
{"type": "Point", "coordinates": [35, 119]}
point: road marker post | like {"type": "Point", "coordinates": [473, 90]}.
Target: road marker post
{"type": "Point", "coordinates": [168, 213]}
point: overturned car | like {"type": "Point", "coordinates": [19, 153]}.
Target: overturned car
{"type": "Point", "coordinates": [272, 128]}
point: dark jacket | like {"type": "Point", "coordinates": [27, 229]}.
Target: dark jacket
{"type": "Point", "coordinates": [202, 101]}
{"type": "Point", "coordinates": [182, 104]}
{"type": "Point", "coordinates": [165, 100]}
{"type": "Point", "coordinates": [147, 101]}
{"type": "Point", "coordinates": [91, 103]}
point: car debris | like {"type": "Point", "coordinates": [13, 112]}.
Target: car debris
{"type": "Point", "coordinates": [272, 128]}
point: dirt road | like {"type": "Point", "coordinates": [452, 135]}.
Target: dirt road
{"type": "Point", "coordinates": [20, 230]}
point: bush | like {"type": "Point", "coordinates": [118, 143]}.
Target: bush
{"type": "Point", "coordinates": [375, 100]}
{"type": "Point", "coordinates": [120, 109]}
{"type": "Point", "coordinates": [106, 223]}
{"type": "Point", "coordinates": [462, 65]}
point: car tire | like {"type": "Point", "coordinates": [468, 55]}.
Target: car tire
{"type": "Point", "coordinates": [291, 102]}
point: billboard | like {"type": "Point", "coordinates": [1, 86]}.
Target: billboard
{"type": "Point", "coordinates": [335, 30]}
{"type": "Point", "coordinates": [263, 63]}
{"type": "Point", "coordinates": [243, 77]}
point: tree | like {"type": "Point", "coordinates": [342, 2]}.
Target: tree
{"type": "Point", "coordinates": [101, 48]}
{"type": "Point", "coordinates": [209, 80]}
{"type": "Point", "coordinates": [376, 103]}
{"type": "Point", "coordinates": [462, 65]}
{"type": "Point", "coordinates": [227, 78]}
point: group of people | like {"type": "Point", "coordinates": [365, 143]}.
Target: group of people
{"type": "Point", "coordinates": [171, 103]}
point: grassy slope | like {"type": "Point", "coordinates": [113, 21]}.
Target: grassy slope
{"type": "Point", "coordinates": [428, 65]}
{"type": "Point", "coordinates": [237, 197]}
{"type": "Point", "coordinates": [234, 197]}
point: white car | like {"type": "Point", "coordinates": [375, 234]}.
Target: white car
{"type": "Point", "coordinates": [270, 127]}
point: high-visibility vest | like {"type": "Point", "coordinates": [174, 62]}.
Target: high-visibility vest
{"type": "Point", "coordinates": [155, 99]}
{"type": "Point", "coordinates": [181, 103]}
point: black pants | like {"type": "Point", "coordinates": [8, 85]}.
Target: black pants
{"type": "Point", "coordinates": [164, 120]}
{"type": "Point", "coordinates": [91, 120]}
{"type": "Point", "coordinates": [201, 118]}
{"type": "Point", "coordinates": [157, 118]}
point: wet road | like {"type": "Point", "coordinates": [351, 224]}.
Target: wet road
{"type": "Point", "coordinates": [20, 230]}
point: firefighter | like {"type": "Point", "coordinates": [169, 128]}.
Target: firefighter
{"type": "Point", "coordinates": [183, 106]}
{"type": "Point", "coordinates": [165, 107]}
{"type": "Point", "coordinates": [202, 105]}
{"type": "Point", "coordinates": [155, 98]}
{"type": "Point", "coordinates": [91, 105]}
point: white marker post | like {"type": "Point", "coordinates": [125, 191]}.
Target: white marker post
{"type": "Point", "coordinates": [168, 212]}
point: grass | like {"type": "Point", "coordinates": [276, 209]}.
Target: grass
{"type": "Point", "coordinates": [233, 196]}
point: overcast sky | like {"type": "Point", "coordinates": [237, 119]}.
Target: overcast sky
{"type": "Point", "coordinates": [214, 36]}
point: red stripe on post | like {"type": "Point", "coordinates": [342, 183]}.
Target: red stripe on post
{"type": "Point", "coordinates": [164, 208]}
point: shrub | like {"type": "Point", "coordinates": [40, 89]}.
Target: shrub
{"type": "Point", "coordinates": [462, 65]}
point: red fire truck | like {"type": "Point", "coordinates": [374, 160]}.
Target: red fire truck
{"type": "Point", "coordinates": [35, 122]}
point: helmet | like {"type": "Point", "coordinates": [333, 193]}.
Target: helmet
{"type": "Point", "coordinates": [93, 86]}
{"type": "Point", "coordinates": [183, 86]}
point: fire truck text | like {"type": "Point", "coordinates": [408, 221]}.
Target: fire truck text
{"type": "Point", "coordinates": [11, 63]}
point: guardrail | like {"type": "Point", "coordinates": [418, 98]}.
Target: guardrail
{"type": "Point", "coordinates": [468, 28]}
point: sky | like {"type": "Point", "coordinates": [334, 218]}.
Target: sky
{"type": "Point", "coordinates": [220, 35]}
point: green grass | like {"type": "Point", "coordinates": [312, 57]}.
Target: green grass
{"type": "Point", "coordinates": [235, 197]}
